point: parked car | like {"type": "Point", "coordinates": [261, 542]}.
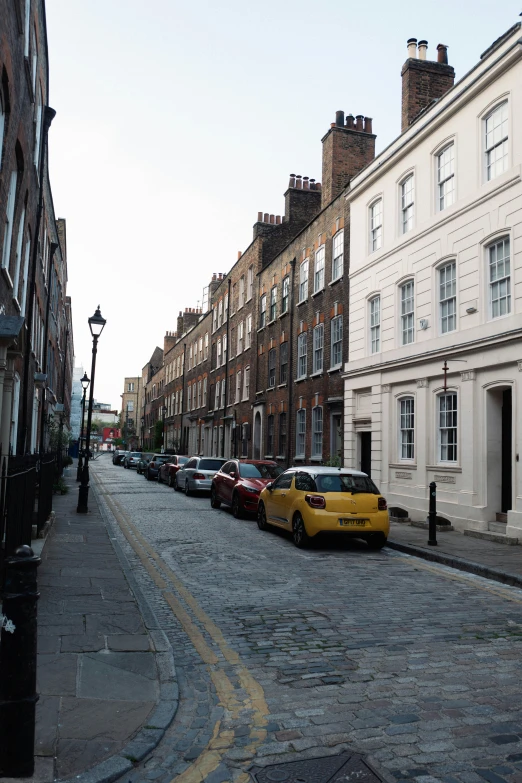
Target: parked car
{"type": "Point", "coordinates": [239, 483]}
{"type": "Point", "coordinates": [196, 475]}
{"type": "Point", "coordinates": [310, 500]}
{"type": "Point", "coordinates": [169, 469]}
{"type": "Point", "coordinates": [131, 459]}
{"type": "Point", "coordinates": [142, 463]}
{"type": "Point", "coordinates": [156, 461]}
{"type": "Point", "coordinates": [118, 456]}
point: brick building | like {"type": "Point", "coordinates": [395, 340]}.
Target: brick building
{"type": "Point", "coordinates": [151, 399]}
{"type": "Point", "coordinates": [130, 418]}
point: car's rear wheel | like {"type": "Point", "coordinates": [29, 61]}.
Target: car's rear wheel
{"type": "Point", "coordinates": [176, 484]}
{"type": "Point", "coordinates": [214, 500]}
{"type": "Point", "coordinates": [187, 489]}
{"type": "Point", "coordinates": [301, 537]}
{"type": "Point", "coordinates": [170, 482]}
{"type": "Point", "coordinates": [261, 517]}
{"type": "Point", "coordinates": [149, 477]}
{"type": "Point", "coordinates": [237, 508]}
{"type": "Point", "coordinates": [376, 541]}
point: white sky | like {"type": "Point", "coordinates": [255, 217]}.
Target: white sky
{"type": "Point", "coordinates": [177, 122]}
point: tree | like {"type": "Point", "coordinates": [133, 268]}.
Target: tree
{"type": "Point", "coordinates": [158, 434]}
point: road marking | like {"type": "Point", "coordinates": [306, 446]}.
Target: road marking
{"type": "Point", "coordinates": [254, 701]}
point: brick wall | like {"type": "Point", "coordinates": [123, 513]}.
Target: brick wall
{"type": "Point", "coordinates": [348, 147]}
{"type": "Point", "coordinates": [423, 81]}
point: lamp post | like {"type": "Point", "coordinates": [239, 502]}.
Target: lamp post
{"type": "Point", "coordinates": [164, 438]}
{"type": "Point", "coordinates": [143, 433]}
{"type": "Point", "coordinates": [96, 324]}
{"type": "Point", "coordinates": [85, 381]}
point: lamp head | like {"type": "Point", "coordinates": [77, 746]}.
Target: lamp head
{"type": "Point", "coordinates": [85, 382]}
{"type": "Point", "coordinates": [96, 323]}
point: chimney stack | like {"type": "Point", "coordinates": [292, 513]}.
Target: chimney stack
{"type": "Point", "coordinates": [423, 80]}
{"type": "Point", "coordinates": [347, 148]}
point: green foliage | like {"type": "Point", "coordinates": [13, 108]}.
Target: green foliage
{"type": "Point", "coordinates": [158, 435]}
{"type": "Point", "coordinates": [60, 487]}
{"type": "Point", "coordinates": [333, 462]}
{"type": "Point", "coordinates": [58, 439]}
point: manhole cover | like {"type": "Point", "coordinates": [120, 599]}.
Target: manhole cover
{"type": "Point", "coordinates": [329, 769]}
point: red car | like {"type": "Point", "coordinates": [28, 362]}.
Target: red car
{"type": "Point", "coordinates": [168, 470]}
{"type": "Point", "coordinates": [239, 483]}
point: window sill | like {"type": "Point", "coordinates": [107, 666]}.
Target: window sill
{"type": "Point", "coordinates": [283, 314]}
{"type": "Point", "coordinates": [316, 293]}
{"type": "Point", "coordinates": [316, 459]}
{"type": "Point", "coordinates": [7, 276]}
{"type": "Point", "coordinates": [270, 389]}
{"type": "Point", "coordinates": [337, 280]}
{"type": "Point", "coordinates": [449, 467]}
{"type": "Point", "coordinates": [268, 456]}
{"type": "Point", "coordinates": [16, 303]}
{"type": "Point", "coordinates": [303, 378]}
{"type": "Point", "coordinates": [260, 329]}
{"type": "Point", "coordinates": [279, 456]}
{"type": "Point", "coordinates": [299, 458]}
{"type": "Point", "coordinates": [282, 385]}
{"type": "Point", "coordinates": [337, 368]}
{"type": "Point", "coordinates": [269, 323]}
{"type": "Point", "coordinates": [245, 399]}
{"type": "Point", "coordinates": [302, 302]}
{"type": "Point", "coordinates": [316, 374]}
{"type": "Point", "coordinates": [403, 465]}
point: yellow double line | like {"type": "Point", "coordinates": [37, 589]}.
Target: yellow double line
{"type": "Point", "coordinates": [233, 700]}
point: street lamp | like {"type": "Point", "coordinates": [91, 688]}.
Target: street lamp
{"type": "Point", "coordinates": [85, 381]}
{"type": "Point", "coordinates": [96, 324]}
{"type": "Point", "coordinates": [164, 417]}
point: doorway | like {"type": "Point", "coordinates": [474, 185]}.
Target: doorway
{"type": "Point", "coordinates": [257, 436]}
{"type": "Point", "coordinates": [336, 445]}
{"type": "Point", "coordinates": [499, 450]}
{"type": "Point", "coordinates": [507, 465]}
{"type": "Point", "coordinates": [366, 452]}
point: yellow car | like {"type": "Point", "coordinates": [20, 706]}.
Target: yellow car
{"type": "Point", "coordinates": [311, 500]}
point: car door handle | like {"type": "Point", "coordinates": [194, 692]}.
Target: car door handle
{"type": "Point", "coordinates": [283, 494]}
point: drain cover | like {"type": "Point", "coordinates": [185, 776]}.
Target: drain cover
{"type": "Point", "coordinates": [329, 769]}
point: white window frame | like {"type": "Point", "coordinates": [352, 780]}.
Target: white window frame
{"type": "Point", "coordinates": [374, 306]}
{"type": "Point", "coordinates": [262, 312]}
{"type": "Point", "coordinates": [217, 395]}
{"type": "Point", "coordinates": [223, 392]}
{"type": "Point", "coordinates": [407, 193]}
{"type": "Point", "coordinates": [319, 269]}
{"type": "Point", "coordinates": [238, 386]}
{"type": "Point", "coordinates": [246, 383]}
{"type": "Point", "coordinates": [375, 224]}
{"type": "Point", "coordinates": [499, 286]}
{"type": "Point", "coordinates": [224, 344]}
{"type": "Point", "coordinates": [338, 255]}
{"type": "Point", "coordinates": [285, 298]}
{"type": "Point", "coordinates": [205, 354]}
{"type": "Point", "coordinates": [407, 319]}
{"type": "Point", "coordinates": [406, 428]}
{"type": "Point", "coordinates": [447, 436]}
{"type": "Point", "coordinates": [9, 218]}
{"type": "Point", "coordinates": [2, 125]}
{"type": "Point", "coordinates": [300, 433]}
{"type": "Point", "coordinates": [445, 177]}
{"type": "Point", "coordinates": [447, 295]}
{"type": "Point", "coordinates": [303, 281]}
{"type": "Point", "coordinates": [218, 353]}
{"type": "Point", "coordinates": [496, 140]}
{"type": "Point", "coordinates": [18, 255]}
{"type": "Point", "coordinates": [317, 432]}
{"type": "Point", "coordinates": [38, 128]}
{"type": "Point", "coordinates": [273, 304]}
{"type": "Point", "coordinates": [272, 362]}
{"type": "Point", "coordinates": [302, 358]}
{"type": "Point", "coordinates": [220, 314]}
{"type": "Point", "coordinates": [318, 349]}
{"type": "Point", "coordinates": [336, 341]}
{"type": "Point", "coordinates": [250, 283]}
{"type": "Point", "coordinates": [241, 299]}
{"type": "Point", "coordinates": [248, 332]}
{"type": "Point", "coordinates": [240, 332]}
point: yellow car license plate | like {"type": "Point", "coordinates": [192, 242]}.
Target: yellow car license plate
{"type": "Point", "coordinates": [352, 522]}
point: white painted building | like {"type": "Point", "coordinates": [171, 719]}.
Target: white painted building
{"type": "Point", "coordinates": [436, 276]}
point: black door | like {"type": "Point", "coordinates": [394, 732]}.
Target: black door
{"type": "Point", "coordinates": [366, 452]}
{"type": "Point", "coordinates": [506, 451]}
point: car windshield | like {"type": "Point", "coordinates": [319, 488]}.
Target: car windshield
{"type": "Point", "coordinates": [161, 459]}
{"type": "Point", "coordinates": [210, 464]}
{"type": "Point", "coordinates": [344, 483]}
{"type": "Point", "coordinates": [246, 470]}
{"type": "Point", "coordinates": [136, 454]}
{"type": "Point", "coordinates": [182, 460]}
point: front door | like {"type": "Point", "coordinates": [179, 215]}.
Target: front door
{"type": "Point", "coordinates": [366, 452]}
{"type": "Point", "coordinates": [336, 448]}
{"type": "Point", "coordinates": [506, 451]}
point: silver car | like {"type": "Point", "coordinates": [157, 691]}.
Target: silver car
{"type": "Point", "coordinates": [196, 475]}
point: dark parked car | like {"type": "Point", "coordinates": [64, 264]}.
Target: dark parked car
{"type": "Point", "coordinates": [239, 483]}
{"type": "Point", "coordinates": [143, 463]}
{"type": "Point", "coordinates": [169, 469]}
{"type": "Point", "coordinates": [117, 457]}
{"type": "Point", "coordinates": [154, 465]}
{"type": "Point", "coordinates": [197, 474]}
{"type": "Point", "coordinates": [131, 459]}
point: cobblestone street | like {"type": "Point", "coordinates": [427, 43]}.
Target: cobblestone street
{"type": "Point", "coordinates": [283, 654]}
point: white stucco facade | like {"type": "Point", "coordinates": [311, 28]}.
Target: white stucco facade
{"type": "Point", "coordinates": [437, 278]}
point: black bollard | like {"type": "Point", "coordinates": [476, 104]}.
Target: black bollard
{"type": "Point", "coordinates": [80, 466]}
{"type": "Point", "coordinates": [432, 516]}
{"type": "Point", "coordinates": [18, 695]}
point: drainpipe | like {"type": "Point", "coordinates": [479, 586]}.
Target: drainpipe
{"type": "Point", "coordinates": [48, 116]}
{"type": "Point", "coordinates": [290, 364]}
{"type": "Point", "coordinates": [226, 371]}
{"type": "Point", "coordinates": [54, 247]}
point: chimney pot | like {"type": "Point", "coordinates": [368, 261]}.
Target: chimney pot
{"type": "Point", "coordinates": [367, 124]}
{"type": "Point", "coordinates": [339, 118]}
{"type": "Point", "coordinates": [306, 184]}
{"type": "Point", "coordinates": [266, 217]}
{"type": "Point", "coordinates": [442, 54]}
{"type": "Point", "coordinates": [291, 184]}
{"type": "Point", "coordinates": [412, 48]}
{"type": "Point", "coordinates": [238, 254]}
{"type": "Point", "coordinates": [278, 220]}
{"type": "Point", "coordinates": [298, 182]}
{"type": "Point", "coordinates": [423, 48]}
{"type": "Point", "coordinates": [272, 219]}
{"type": "Point", "coordinates": [359, 122]}
{"type": "Point", "coordinates": [259, 217]}
{"type": "Point", "coordinates": [349, 121]}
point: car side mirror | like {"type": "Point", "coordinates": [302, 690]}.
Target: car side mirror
{"type": "Point", "coordinates": [233, 474]}
{"type": "Point", "coordinates": [269, 486]}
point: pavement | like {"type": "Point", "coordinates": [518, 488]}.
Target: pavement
{"type": "Point", "coordinates": [105, 671]}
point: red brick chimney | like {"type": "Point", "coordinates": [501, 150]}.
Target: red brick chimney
{"type": "Point", "coordinates": [347, 148]}
{"type": "Point", "coordinates": [423, 81]}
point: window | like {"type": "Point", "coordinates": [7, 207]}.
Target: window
{"type": "Point", "coordinates": [130, 406]}
{"type": "Point", "coordinates": [225, 308]}
{"type": "Point", "coordinates": [271, 368]}
{"type": "Point", "coordinates": [318, 348]}
{"type": "Point", "coordinates": [338, 255]}
{"type": "Point", "coordinates": [9, 216]}
{"type": "Point", "coordinates": [303, 281]}
{"type": "Point", "coordinates": [250, 283]}
{"type": "Point", "coordinates": [240, 330]}
{"type": "Point", "coordinates": [407, 428]}
{"type": "Point", "coordinates": [273, 303]}
{"type": "Point", "coordinates": [270, 435]}
{"type": "Point", "coordinates": [375, 324]}
{"type": "Point", "coordinates": [238, 386]}
{"type": "Point", "coordinates": [448, 427]}
{"type": "Point", "coordinates": [302, 368]}
{"type": "Point", "coordinates": [26, 27]}
{"type": "Point", "coordinates": [262, 314]}
{"type": "Point", "coordinates": [407, 316]}
{"type": "Point", "coordinates": [34, 59]}
{"type": "Point", "coordinates": [241, 291]}
{"type": "Point", "coordinates": [24, 276]}
{"type": "Point", "coordinates": [190, 358]}
{"type": "Point", "coordinates": [204, 400]}
{"type": "Point", "coordinates": [206, 346]}
{"type": "Point", "coordinates": [216, 401]}
{"type": "Point", "coordinates": [224, 349]}
{"type": "Point", "coordinates": [18, 256]}
{"type": "Point", "coordinates": [407, 202]}
{"type": "Point", "coordinates": [300, 433]}
{"type": "Point", "coordinates": [376, 225]}
{"type": "Point", "coordinates": [223, 392]}
{"type": "Point", "coordinates": [448, 297]}
{"type": "Point", "coordinates": [446, 177]}
{"type": "Point", "coordinates": [499, 278]}
{"type": "Point", "coordinates": [282, 433]}
{"type": "Point", "coordinates": [189, 397]}
{"type": "Point", "coordinates": [214, 318]}
{"type": "Point", "coordinates": [246, 383]}
{"type": "Point", "coordinates": [200, 352]}
{"type": "Point", "coordinates": [283, 363]}
{"type": "Point", "coordinates": [220, 313]}
{"type": "Point", "coordinates": [130, 387]}
{"type": "Point", "coordinates": [199, 394]}
{"type": "Point", "coordinates": [336, 341]}
{"type": "Point", "coordinates": [319, 270]}
{"type": "Point", "coordinates": [317, 431]}
{"type": "Point", "coordinates": [2, 124]}
{"type": "Point", "coordinates": [496, 141]}
{"type": "Point", "coordinates": [284, 298]}
{"type": "Point", "coordinates": [248, 336]}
